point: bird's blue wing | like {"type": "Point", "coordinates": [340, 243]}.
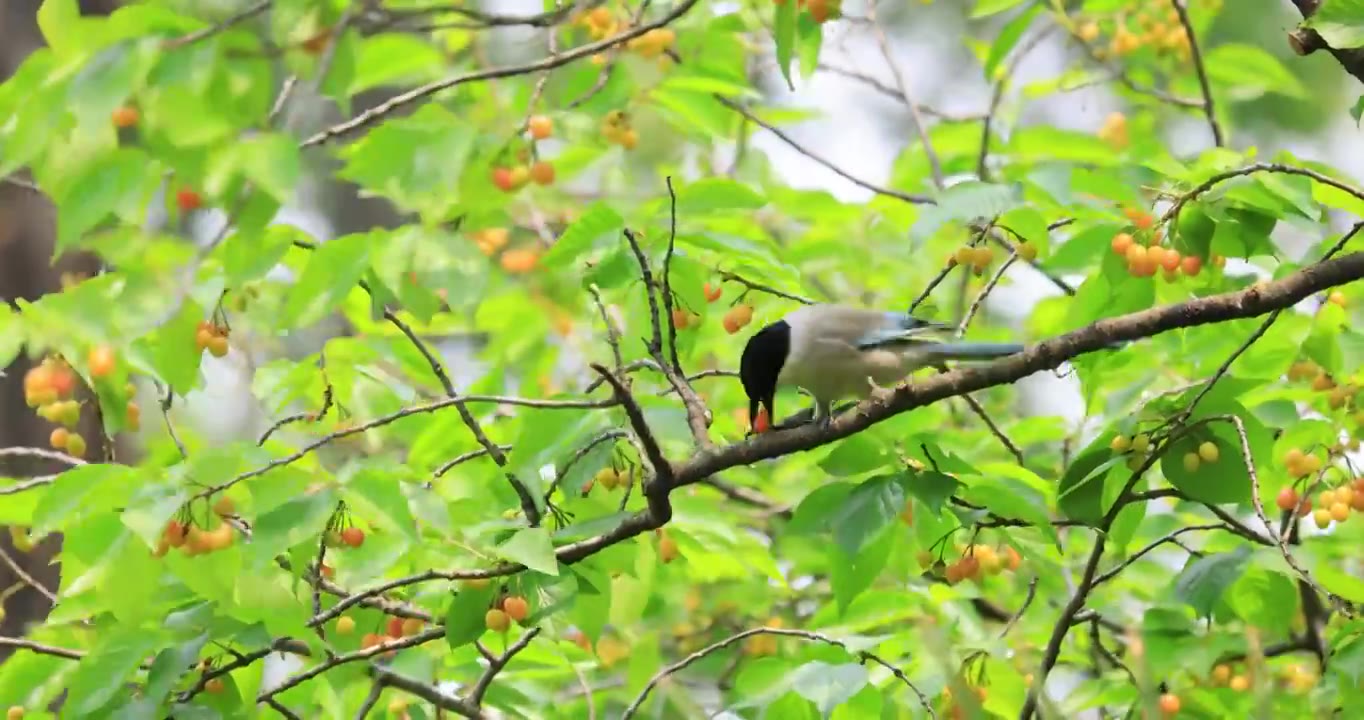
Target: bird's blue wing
{"type": "Point", "coordinates": [900, 328]}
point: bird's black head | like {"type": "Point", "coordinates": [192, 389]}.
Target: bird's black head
{"type": "Point", "coordinates": [761, 364]}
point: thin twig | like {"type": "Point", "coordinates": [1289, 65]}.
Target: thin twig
{"type": "Point", "coordinates": [698, 419]}
{"type": "Point", "coordinates": [376, 690]}
{"type": "Point", "coordinates": [25, 578]}
{"type": "Point", "coordinates": [226, 23]}
{"type": "Point", "coordinates": [612, 337]}
{"type": "Point", "coordinates": [1027, 601]}
{"type": "Point", "coordinates": [528, 506]}
{"type": "Point", "coordinates": [752, 285]}
{"type": "Point", "coordinates": [384, 109]}
{"type": "Point", "coordinates": [1153, 545]}
{"type": "Point", "coordinates": [790, 142]}
{"type": "Point", "coordinates": [934, 166]}
{"type": "Point", "coordinates": [1208, 108]}
{"type": "Point", "coordinates": [1256, 502]}
{"type": "Point", "coordinates": [862, 656]}
{"type": "Point", "coordinates": [40, 648]}
{"type": "Point", "coordinates": [496, 664]}
{"type": "Point", "coordinates": [1259, 332]}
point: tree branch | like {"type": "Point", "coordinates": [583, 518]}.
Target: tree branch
{"type": "Point", "coordinates": [382, 110]}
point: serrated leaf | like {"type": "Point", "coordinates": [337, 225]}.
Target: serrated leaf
{"type": "Point", "coordinates": [332, 271]}
{"type": "Point", "coordinates": [298, 520]}
{"type": "Point", "coordinates": [597, 222]}
{"type": "Point", "coordinates": [1204, 581]}
{"type": "Point", "coordinates": [868, 508]}
{"type": "Point", "coordinates": [80, 490]}
{"type": "Point", "coordinates": [713, 194]}
{"type": "Point", "coordinates": [101, 187]}
{"type": "Point", "coordinates": [100, 675]}
{"type": "Point", "coordinates": [828, 686]}
{"type": "Point", "coordinates": [531, 547]}
{"type": "Point", "coordinates": [966, 201]}
{"type": "Point", "coordinates": [466, 620]}
{"type": "Point", "coordinates": [932, 488]}
{"type": "Point", "coordinates": [1247, 72]}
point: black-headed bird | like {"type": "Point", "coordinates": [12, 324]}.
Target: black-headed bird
{"type": "Point", "coordinates": [837, 351]}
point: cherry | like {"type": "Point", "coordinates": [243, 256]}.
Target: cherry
{"type": "Point", "coordinates": [345, 625]}
{"type": "Point", "coordinates": [125, 117]}
{"type": "Point", "coordinates": [497, 620]}
{"type": "Point", "coordinates": [516, 607]}
{"type": "Point", "coordinates": [520, 260]}
{"type": "Point", "coordinates": [502, 178]}
{"type": "Point", "coordinates": [1287, 499]}
{"type": "Point", "coordinates": [353, 536]}
{"type": "Point", "coordinates": [223, 506]}
{"type": "Point", "coordinates": [75, 445]}
{"type": "Point", "coordinates": [667, 549]}
{"type": "Point", "coordinates": [101, 361]}
{"type": "Point", "coordinates": [737, 317]}
{"type": "Point", "coordinates": [540, 127]}
{"type": "Point", "coordinates": [394, 627]}
{"type": "Point", "coordinates": [712, 292]}
{"type": "Point", "coordinates": [542, 173]}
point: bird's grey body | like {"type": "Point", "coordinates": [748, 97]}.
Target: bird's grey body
{"type": "Point", "coordinates": [836, 352]}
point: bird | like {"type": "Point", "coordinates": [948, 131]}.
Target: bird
{"type": "Point", "coordinates": [835, 351]}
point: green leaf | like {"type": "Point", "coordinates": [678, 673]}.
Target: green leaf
{"type": "Point", "coordinates": [247, 257]}
{"type": "Point", "coordinates": [172, 349]}
{"type": "Point", "coordinates": [854, 455]}
{"type": "Point", "coordinates": [852, 574]}
{"type": "Point", "coordinates": [531, 547]}
{"type": "Point", "coordinates": [597, 222]}
{"type": "Point", "coordinates": [100, 676]}
{"type": "Point", "coordinates": [301, 519]}
{"type": "Point", "coordinates": [870, 506]}
{"type": "Point", "coordinates": [1247, 72]}
{"type": "Point", "coordinates": [784, 34]}
{"type": "Point", "coordinates": [711, 194]}
{"type": "Point", "coordinates": [986, 8]}
{"type": "Point", "coordinates": [79, 491]}
{"type": "Point", "coordinates": [1010, 497]}
{"type": "Point", "coordinates": [828, 686]}
{"type": "Point", "coordinates": [1340, 23]}
{"type": "Point", "coordinates": [1223, 482]}
{"type": "Point", "coordinates": [417, 162]}
{"type": "Point", "coordinates": [271, 162]}
{"type": "Point", "coordinates": [1081, 490]}
{"type": "Point", "coordinates": [61, 24]}
{"type": "Point", "coordinates": [1357, 109]}
{"type": "Point", "coordinates": [11, 335]}
{"type": "Point", "coordinates": [465, 621]}
{"type": "Point", "coordinates": [1205, 580]}
{"type": "Point", "coordinates": [172, 664]}
{"type": "Point", "coordinates": [331, 274]}
{"type": "Point", "coordinates": [930, 487]}
{"type": "Point", "coordinates": [110, 183]}
{"type": "Point", "coordinates": [377, 493]}
{"type": "Point", "coordinates": [963, 202]}
{"type": "Point", "coordinates": [1009, 35]}
{"type": "Point", "coordinates": [394, 59]}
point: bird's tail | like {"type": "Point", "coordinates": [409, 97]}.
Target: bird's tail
{"type": "Point", "coordinates": [971, 350]}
